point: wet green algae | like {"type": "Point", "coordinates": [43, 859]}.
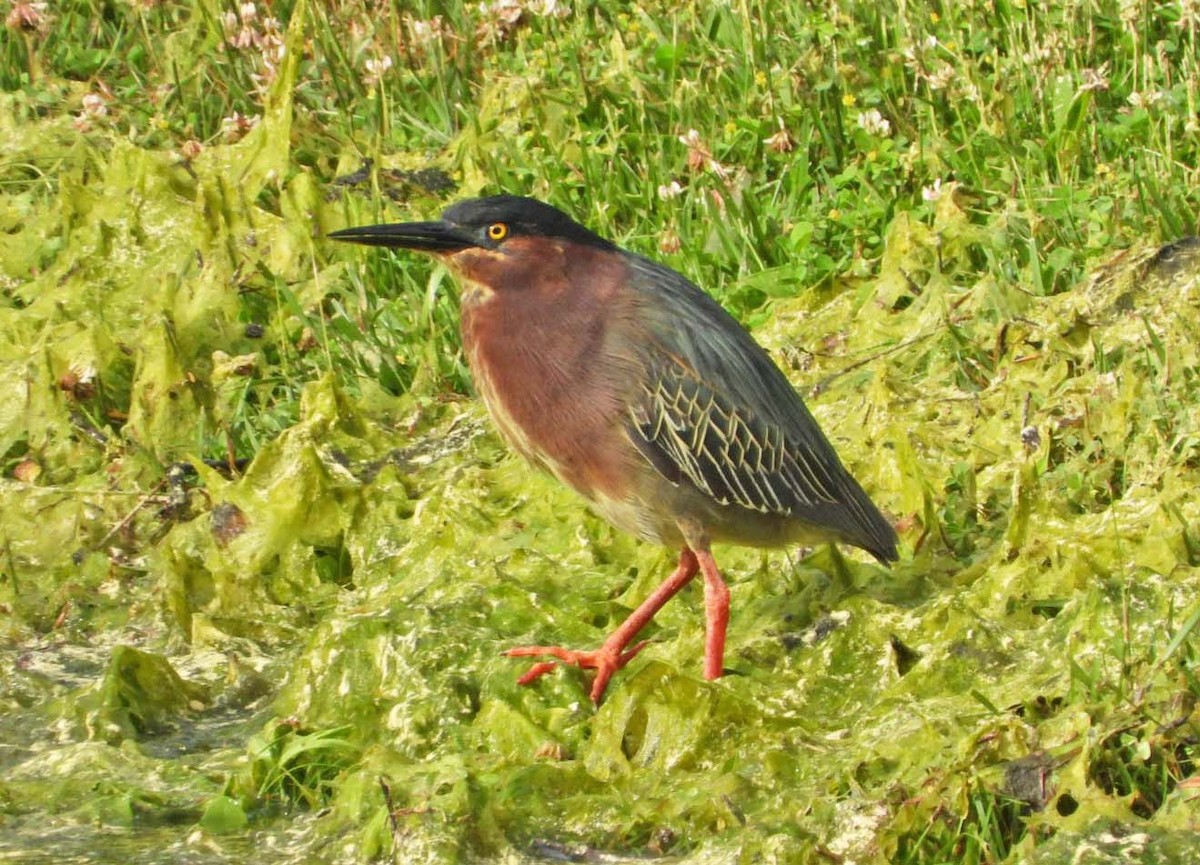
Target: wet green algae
{"type": "Point", "coordinates": [322, 634]}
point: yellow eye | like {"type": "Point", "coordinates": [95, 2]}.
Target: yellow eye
{"type": "Point", "coordinates": [497, 231]}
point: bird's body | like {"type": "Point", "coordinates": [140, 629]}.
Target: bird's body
{"type": "Point", "coordinates": [638, 390]}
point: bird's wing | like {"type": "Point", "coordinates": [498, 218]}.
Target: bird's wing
{"type": "Point", "coordinates": [715, 411]}
{"type": "Point", "coordinates": [689, 428]}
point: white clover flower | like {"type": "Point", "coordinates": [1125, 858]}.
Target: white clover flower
{"type": "Point", "coordinates": [376, 69]}
{"type": "Point", "coordinates": [670, 190]}
{"type": "Point", "coordinates": [873, 122]}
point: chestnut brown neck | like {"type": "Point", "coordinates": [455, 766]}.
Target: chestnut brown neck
{"type": "Point", "coordinates": [536, 322]}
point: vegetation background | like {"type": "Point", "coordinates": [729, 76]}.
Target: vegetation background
{"type": "Point", "coordinates": [259, 552]}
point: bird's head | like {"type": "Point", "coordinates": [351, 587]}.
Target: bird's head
{"type": "Point", "coordinates": [490, 241]}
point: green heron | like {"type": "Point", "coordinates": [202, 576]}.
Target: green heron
{"type": "Point", "coordinates": [638, 390]}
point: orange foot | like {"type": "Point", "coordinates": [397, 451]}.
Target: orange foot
{"type": "Point", "coordinates": [605, 661]}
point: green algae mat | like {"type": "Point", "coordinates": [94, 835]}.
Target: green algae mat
{"type": "Point", "coordinates": [260, 552]}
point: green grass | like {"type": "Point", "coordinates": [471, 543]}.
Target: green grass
{"type": "Point", "coordinates": [942, 219]}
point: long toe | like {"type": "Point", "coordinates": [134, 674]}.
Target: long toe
{"type": "Point", "coordinates": [536, 672]}
{"type": "Point", "coordinates": [605, 661]}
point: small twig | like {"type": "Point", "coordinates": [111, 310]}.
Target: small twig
{"type": "Point", "coordinates": [824, 383]}
{"type": "Point", "coordinates": [145, 500]}
{"type": "Point", "coordinates": [391, 808]}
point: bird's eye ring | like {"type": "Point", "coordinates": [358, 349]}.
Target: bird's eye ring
{"type": "Point", "coordinates": [497, 231]}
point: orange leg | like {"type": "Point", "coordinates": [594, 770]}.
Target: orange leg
{"type": "Point", "coordinates": [716, 615]}
{"type": "Point", "coordinates": [614, 654]}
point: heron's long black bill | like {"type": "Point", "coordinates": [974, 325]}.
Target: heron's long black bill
{"type": "Point", "coordinates": [421, 236]}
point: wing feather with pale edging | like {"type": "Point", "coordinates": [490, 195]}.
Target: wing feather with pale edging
{"type": "Point", "coordinates": [686, 427]}
{"type": "Point", "coordinates": [714, 411]}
